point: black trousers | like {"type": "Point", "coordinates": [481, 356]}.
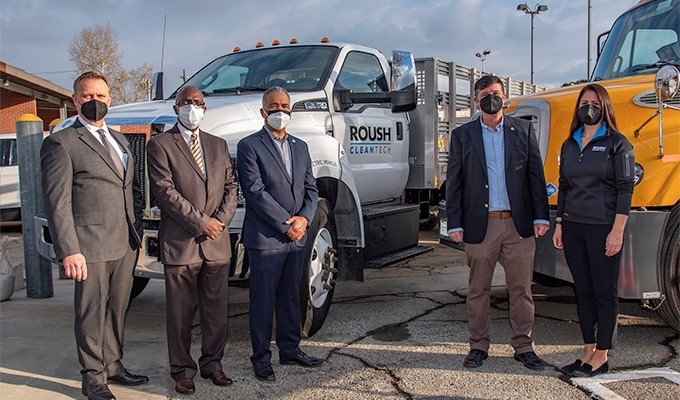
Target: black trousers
{"type": "Point", "coordinates": [596, 278]}
{"type": "Point", "coordinates": [274, 290]}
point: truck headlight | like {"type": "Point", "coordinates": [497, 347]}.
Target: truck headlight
{"type": "Point", "coordinates": [638, 172]}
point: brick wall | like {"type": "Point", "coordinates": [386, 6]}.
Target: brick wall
{"type": "Point", "coordinates": [12, 106]}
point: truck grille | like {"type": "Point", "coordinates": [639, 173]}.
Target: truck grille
{"type": "Point", "coordinates": [137, 144]}
{"type": "Point", "coordinates": [648, 99]}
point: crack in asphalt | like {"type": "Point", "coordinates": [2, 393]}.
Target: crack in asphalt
{"type": "Point", "coordinates": [395, 380]}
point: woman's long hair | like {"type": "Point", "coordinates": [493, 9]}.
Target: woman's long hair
{"type": "Point", "coordinates": [605, 104]}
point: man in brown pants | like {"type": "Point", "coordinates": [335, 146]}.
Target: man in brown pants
{"type": "Point", "coordinates": [192, 180]}
{"type": "Point", "coordinates": [496, 202]}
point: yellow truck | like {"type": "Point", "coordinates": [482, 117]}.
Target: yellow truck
{"type": "Point", "coordinates": [638, 61]}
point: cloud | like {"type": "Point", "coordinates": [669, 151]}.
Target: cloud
{"type": "Point", "coordinates": [34, 35]}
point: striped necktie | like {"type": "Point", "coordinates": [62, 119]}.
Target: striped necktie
{"type": "Point", "coordinates": [196, 151]}
{"type": "Point", "coordinates": [112, 153]}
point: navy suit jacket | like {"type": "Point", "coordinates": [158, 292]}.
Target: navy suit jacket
{"type": "Point", "coordinates": [467, 182]}
{"type": "Point", "coordinates": [271, 196]}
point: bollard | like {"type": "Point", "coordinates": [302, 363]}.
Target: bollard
{"type": "Point", "coordinates": [29, 140]}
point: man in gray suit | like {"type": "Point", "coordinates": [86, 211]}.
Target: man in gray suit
{"type": "Point", "coordinates": [191, 178]}
{"type": "Point", "coordinates": [94, 210]}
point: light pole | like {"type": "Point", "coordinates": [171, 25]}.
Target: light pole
{"type": "Point", "coordinates": [482, 57]}
{"type": "Point", "coordinates": [589, 58]}
{"type": "Point", "coordinates": [538, 9]}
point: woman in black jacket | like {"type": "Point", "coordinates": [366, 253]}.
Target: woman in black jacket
{"type": "Point", "coordinates": [596, 189]}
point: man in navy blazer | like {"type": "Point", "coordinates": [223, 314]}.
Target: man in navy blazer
{"type": "Point", "coordinates": [275, 172]}
{"type": "Point", "coordinates": [496, 202]}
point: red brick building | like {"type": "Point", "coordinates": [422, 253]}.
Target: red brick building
{"type": "Point", "coordinates": [24, 93]}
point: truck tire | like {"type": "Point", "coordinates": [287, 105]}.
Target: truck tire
{"type": "Point", "coordinates": [138, 286]}
{"type": "Point", "coordinates": [317, 282]}
{"type": "Point", "coordinates": [669, 262]}
{"type": "Point", "coordinates": [431, 223]}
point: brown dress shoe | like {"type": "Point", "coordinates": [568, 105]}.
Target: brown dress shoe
{"type": "Point", "coordinates": [185, 386]}
{"type": "Point", "coordinates": [218, 378]}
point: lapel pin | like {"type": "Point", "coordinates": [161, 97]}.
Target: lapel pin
{"type": "Point", "coordinates": [292, 140]}
{"type": "Point", "coordinates": [512, 128]}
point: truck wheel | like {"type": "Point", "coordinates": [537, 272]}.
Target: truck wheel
{"type": "Point", "coordinates": [432, 220]}
{"type": "Point", "coordinates": [318, 271]}
{"type": "Point", "coordinates": [430, 224]}
{"type": "Point", "coordinates": [138, 285]}
{"type": "Point", "coordinates": [669, 263]}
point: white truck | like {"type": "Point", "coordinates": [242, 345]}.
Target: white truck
{"type": "Point", "coordinates": [379, 169]}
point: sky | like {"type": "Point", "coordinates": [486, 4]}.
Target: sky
{"type": "Point", "coordinates": [35, 34]}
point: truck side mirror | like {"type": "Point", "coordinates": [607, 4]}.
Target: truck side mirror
{"type": "Point", "coordinates": [403, 71]}
{"type": "Point", "coordinates": [403, 81]}
{"type": "Point", "coordinates": [404, 100]}
{"type": "Point", "coordinates": [157, 86]}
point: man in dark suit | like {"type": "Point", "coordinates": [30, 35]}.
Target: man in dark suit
{"type": "Point", "coordinates": [94, 210]}
{"type": "Point", "coordinates": [496, 202]}
{"type": "Point", "coordinates": [192, 180]}
{"type": "Point", "coordinates": [275, 172]}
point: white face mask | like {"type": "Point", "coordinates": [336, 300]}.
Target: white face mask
{"type": "Point", "coordinates": [278, 119]}
{"type": "Point", "coordinates": [191, 116]}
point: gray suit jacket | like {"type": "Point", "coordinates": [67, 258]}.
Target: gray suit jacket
{"type": "Point", "coordinates": [90, 208]}
{"type": "Point", "coordinates": [188, 199]}
{"type": "Point", "coordinates": [271, 195]}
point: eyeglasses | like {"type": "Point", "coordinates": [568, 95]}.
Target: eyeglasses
{"type": "Point", "coordinates": [187, 102]}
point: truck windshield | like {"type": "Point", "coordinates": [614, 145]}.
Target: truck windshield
{"type": "Point", "coordinates": [293, 68]}
{"type": "Point", "coordinates": [641, 41]}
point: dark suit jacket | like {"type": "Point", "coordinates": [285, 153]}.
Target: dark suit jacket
{"type": "Point", "coordinates": [271, 196]}
{"type": "Point", "coordinates": [90, 208]}
{"type": "Point", "coordinates": [467, 193]}
{"type": "Point", "coordinates": [188, 199]}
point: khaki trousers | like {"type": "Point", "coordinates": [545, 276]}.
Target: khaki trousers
{"type": "Point", "coordinates": [501, 244]}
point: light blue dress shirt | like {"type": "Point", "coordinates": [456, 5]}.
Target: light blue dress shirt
{"type": "Point", "coordinates": [494, 151]}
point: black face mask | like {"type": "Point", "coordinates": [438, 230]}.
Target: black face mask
{"type": "Point", "coordinates": [93, 110]}
{"type": "Point", "coordinates": [589, 114]}
{"type": "Point", "coordinates": [491, 104]}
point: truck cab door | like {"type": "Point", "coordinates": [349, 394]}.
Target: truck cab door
{"type": "Point", "coordinates": [374, 138]}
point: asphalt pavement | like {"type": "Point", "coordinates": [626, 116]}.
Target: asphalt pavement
{"type": "Point", "coordinates": [401, 334]}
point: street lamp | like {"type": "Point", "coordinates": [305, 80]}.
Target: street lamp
{"type": "Point", "coordinates": [482, 57]}
{"type": "Point", "coordinates": [538, 9]}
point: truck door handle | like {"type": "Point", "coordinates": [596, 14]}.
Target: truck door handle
{"type": "Point", "coordinates": [400, 131]}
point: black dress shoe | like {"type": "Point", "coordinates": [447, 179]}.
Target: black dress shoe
{"type": "Point", "coordinates": [127, 378]}
{"type": "Point", "coordinates": [264, 371]}
{"type": "Point", "coordinates": [604, 368]}
{"type": "Point", "coordinates": [98, 392]}
{"type": "Point", "coordinates": [185, 386]}
{"type": "Point", "coordinates": [302, 359]}
{"type": "Point", "coordinates": [530, 360]}
{"type": "Point", "coordinates": [475, 358]}
{"type": "Point", "coordinates": [569, 369]}
{"type": "Point", "coordinates": [218, 378]}
{"type": "Point", "coordinates": [584, 370]}
{"type": "Point", "coordinates": [587, 370]}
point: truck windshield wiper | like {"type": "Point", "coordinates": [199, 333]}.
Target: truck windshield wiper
{"type": "Point", "coordinates": [657, 64]}
{"type": "Point", "coordinates": [239, 89]}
